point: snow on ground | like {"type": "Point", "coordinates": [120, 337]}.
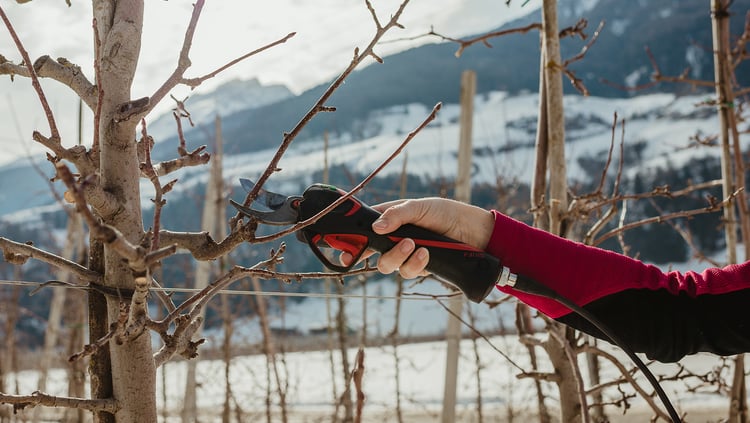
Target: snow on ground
{"type": "Point", "coordinates": [421, 366]}
{"type": "Point", "coordinates": [421, 381]}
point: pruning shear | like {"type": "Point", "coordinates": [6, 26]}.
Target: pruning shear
{"type": "Point", "coordinates": [348, 228]}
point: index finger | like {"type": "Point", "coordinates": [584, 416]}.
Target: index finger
{"type": "Point", "coordinates": [387, 205]}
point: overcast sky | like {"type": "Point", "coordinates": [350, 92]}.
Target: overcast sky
{"type": "Point", "coordinates": [327, 33]}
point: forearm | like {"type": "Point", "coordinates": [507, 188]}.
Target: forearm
{"type": "Point", "coordinates": [665, 315]}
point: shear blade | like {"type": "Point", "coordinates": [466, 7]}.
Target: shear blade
{"type": "Point", "coordinates": [283, 209]}
{"type": "Point", "coordinates": [268, 199]}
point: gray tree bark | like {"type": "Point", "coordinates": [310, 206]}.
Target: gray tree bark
{"type": "Point", "coordinates": [118, 28]}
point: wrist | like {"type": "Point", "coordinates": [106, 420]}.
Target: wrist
{"type": "Point", "coordinates": [478, 224]}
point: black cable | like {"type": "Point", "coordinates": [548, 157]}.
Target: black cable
{"type": "Point", "coordinates": [530, 286]}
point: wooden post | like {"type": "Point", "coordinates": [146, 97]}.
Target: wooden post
{"type": "Point", "coordinates": [558, 184]}
{"type": "Point", "coordinates": [463, 193]}
{"type": "Point", "coordinates": [719, 24]}
{"type": "Point", "coordinates": [209, 223]}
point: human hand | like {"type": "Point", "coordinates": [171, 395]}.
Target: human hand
{"type": "Point", "coordinates": [463, 222]}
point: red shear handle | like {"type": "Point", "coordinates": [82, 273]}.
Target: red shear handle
{"type": "Point", "coordinates": [330, 246]}
{"type": "Point", "coordinates": [348, 228]}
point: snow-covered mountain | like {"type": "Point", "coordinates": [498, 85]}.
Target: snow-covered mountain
{"type": "Point", "coordinates": [228, 98]}
{"type": "Point", "coordinates": [379, 103]}
{"type": "Point", "coordinates": [504, 128]}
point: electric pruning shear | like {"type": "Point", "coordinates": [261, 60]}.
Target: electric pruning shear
{"type": "Point", "coordinates": [348, 228]}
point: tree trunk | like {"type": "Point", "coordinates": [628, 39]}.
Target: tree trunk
{"type": "Point", "coordinates": [558, 185]}
{"type": "Point", "coordinates": [76, 322]}
{"type": "Point", "coordinates": [118, 29]}
{"type": "Point", "coordinates": [541, 220]}
{"type": "Point", "coordinates": [571, 409]}
{"type": "Point", "coordinates": [571, 404]}
{"type": "Point", "coordinates": [725, 108]}
{"type": "Point", "coordinates": [100, 374]}
{"type": "Point", "coordinates": [394, 334]}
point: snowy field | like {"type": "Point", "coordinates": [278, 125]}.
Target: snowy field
{"type": "Point", "coordinates": [421, 370]}
{"type": "Point", "coordinates": [421, 384]}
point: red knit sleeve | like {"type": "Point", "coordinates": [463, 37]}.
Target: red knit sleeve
{"type": "Point", "coordinates": [584, 274]}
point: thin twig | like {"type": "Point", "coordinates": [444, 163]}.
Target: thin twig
{"type": "Point", "coordinates": [116, 328]}
{"type": "Point", "coordinates": [357, 188]}
{"type": "Point", "coordinates": [194, 82]}
{"type": "Point", "coordinates": [483, 336]}
{"type": "Point", "coordinates": [464, 44]}
{"type": "Point", "coordinates": [183, 62]}
{"type": "Point", "coordinates": [574, 80]}
{"type": "Point", "coordinates": [320, 104]}
{"type": "Point", "coordinates": [712, 207]}
{"type": "Point", "coordinates": [54, 133]}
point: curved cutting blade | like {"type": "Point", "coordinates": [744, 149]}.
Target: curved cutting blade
{"type": "Point", "coordinates": [268, 199]}
{"type": "Point", "coordinates": [284, 210]}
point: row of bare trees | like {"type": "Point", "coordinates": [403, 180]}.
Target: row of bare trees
{"type": "Point", "coordinates": [118, 264]}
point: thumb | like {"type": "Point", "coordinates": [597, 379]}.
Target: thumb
{"type": "Point", "coordinates": [397, 215]}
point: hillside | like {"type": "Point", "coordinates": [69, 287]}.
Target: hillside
{"type": "Point", "coordinates": [677, 32]}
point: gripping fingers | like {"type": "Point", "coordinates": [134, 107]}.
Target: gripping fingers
{"type": "Point", "coordinates": [403, 258]}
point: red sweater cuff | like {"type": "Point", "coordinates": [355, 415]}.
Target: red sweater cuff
{"type": "Point", "coordinates": [507, 237]}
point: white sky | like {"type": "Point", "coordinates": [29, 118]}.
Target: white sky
{"type": "Point", "coordinates": [327, 33]}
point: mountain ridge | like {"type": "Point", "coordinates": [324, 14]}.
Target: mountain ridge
{"type": "Point", "coordinates": [678, 33]}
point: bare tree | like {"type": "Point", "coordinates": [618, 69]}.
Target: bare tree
{"type": "Point", "coordinates": [733, 174]}
{"type": "Point", "coordinates": [105, 189]}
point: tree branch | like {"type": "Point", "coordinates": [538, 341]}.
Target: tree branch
{"type": "Point", "coordinates": [17, 253]}
{"type": "Point", "coordinates": [55, 134]}
{"type": "Point", "coordinates": [320, 104]}
{"type": "Point", "coordinates": [180, 341]}
{"type": "Point", "coordinates": [183, 62]}
{"type": "Point", "coordinates": [259, 270]}
{"type": "Point", "coordinates": [139, 258]}
{"type": "Point", "coordinates": [357, 188]}
{"type": "Point", "coordinates": [138, 315]}
{"type": "Point", "coordinates": [61, 70]}
{"type": "Point", "coordinates": [484, 39]}
{"type": "Point", "coordinates": [203, 247]}
{"type": "Point", "coordinates": [574, 80]}
{"type": "Point", "coordinates": [20, 402]}
{"type": "Point", "coordinates": [712, 207]}
{"type": "Point", "coordinates": [194, 82]}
